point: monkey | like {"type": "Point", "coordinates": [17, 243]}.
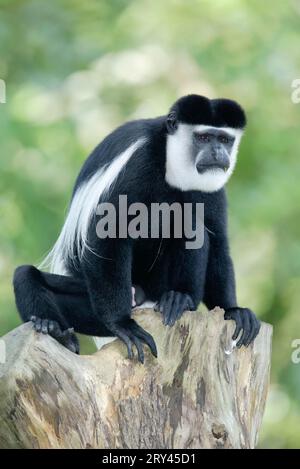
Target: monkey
{"type": "Point", "coordinates": [185, 156]}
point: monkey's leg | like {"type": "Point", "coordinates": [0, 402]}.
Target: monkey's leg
{"type": "Point", "coordinates": [57, 305]}
{"type": "Point", "coordinates": [107, 272]}
{"type": "Point", "coordinates": [37, 299]}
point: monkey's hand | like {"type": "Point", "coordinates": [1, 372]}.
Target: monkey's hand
{"type": "Point", "coordinates": [132, 334]}
{"type": "Point", "coordinates": [172, 305]}
{"type": "Point", "coordinates": [67, 337]}
{"type": "Point", "coordinates": [246, 323]}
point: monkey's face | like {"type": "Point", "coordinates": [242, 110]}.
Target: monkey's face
{"type": "Point", "coordinates": [201, 157]}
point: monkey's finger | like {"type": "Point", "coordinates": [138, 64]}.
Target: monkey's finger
{"type": "Point", "coordinates": [148, 339]}
{"type": "Point", "coordinates": [252, 321]}
{"type": "Point", "coordinates": [167, 308]}
{"type": "Point", "coordinates": [173, 310]}
{"type": "Point", "coordinates": [137, 344]}
{"type": "Point", "coordinates": [124, 337]}
{"type": "Point", "coordinates": [190, 304]}
{"type": "Point", "coordinates": [129, 348]}
{"type": "Point", "coordinates": [54, 330]}
{"type": "Point", "coordinates": [145, 337]}
{"type": "Point", "coordinates": [238, 327]}
{"type": "Point", "coordinates": [69, 340]}
{"type": "Point", "coordinates": [139, 348]}
{"type": "Point", "coordinates": [255, 327]}
{"type": "Point", "coordinates": [45, 326]}
{"type": "Point", "coordinates": [57, 330]}
{"type": "Point", "coordinates": [246, 329]}
{"type": "Point", "coordinates": [163, 302]}
{"type": "Point", "coordinates": [51, 327]}
{"type": "Point", "coordinates": [67, 333]}
{"type": "Point", "coordinates": [38, 325]}
{"type": "Point", "coordinates": [187, 305]}
{"type": "Point", "coordinates": [180, 305]}
{"type": "Point", "coordinates": [32, 318]}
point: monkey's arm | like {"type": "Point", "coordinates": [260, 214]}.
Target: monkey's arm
{"type": "Point", "coordinates": [107, 272]}
{"type": "Point", "coordinates": [220, 287]}
{"type": "Point", "coordinates": [186, 273]}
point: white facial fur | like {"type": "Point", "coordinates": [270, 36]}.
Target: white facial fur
{"type": "Point", "coordinates": [181, 171]}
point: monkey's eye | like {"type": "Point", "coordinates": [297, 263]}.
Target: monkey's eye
{"type": "Point", "coordinates": [203, 137]}
{"type": "Point", "coordinates": [223, 139]}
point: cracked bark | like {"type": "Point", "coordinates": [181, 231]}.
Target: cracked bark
{"type": "Point", "coordinates": [193, 396]}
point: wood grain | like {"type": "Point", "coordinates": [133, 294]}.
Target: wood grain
{"type": "Point", "coordinates": [193, 396]}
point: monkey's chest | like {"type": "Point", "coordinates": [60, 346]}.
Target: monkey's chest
{"type": "Point", "coordinates": [146, 254]}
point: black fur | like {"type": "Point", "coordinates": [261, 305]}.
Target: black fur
{"type": "Point", "coordinates": [95, 298]}
{"type": "Point", "coordinates": [194, 109]}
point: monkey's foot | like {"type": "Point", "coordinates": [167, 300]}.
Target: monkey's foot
{"type": "Point", "coordinates": [132, 334]}
{"type": "Point", "coordinates": [172, 305]}
{"type": "Point", "coordinates": [246, 323]}
{"type": "Point", "coordinates": [67, 337]}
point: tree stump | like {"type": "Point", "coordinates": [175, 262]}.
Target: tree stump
{"type": "Point", "coordinates": [195, 395]}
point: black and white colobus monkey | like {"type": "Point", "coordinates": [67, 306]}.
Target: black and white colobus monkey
{"type": "Point", "coordinates": [185, 156]}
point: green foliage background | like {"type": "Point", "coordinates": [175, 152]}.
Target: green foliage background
{"type": "Point", "coordinates": [74, 70]}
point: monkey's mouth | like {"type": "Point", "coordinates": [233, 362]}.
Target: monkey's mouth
{"type": "Point", "coordinates": [203, 168]}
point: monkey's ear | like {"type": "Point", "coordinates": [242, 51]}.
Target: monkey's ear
{"type": "Point", "coordinates": [172, 122]}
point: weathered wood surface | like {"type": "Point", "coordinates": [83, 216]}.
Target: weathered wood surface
{"type": "Point", "coordinates": [193, 396]}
